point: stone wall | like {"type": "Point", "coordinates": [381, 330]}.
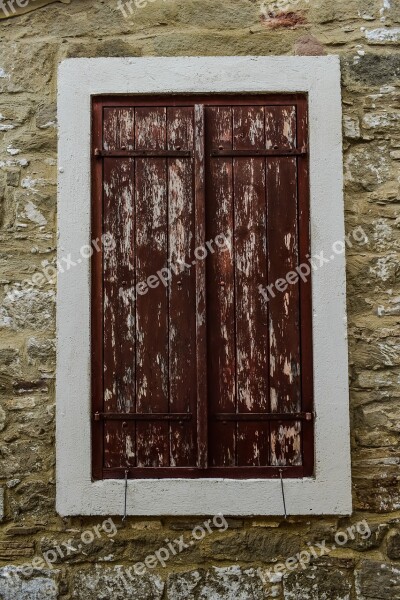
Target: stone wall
{"type": "Point", "coordinates": [236, 563]}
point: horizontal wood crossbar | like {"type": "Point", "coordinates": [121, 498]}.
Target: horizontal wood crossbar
{"type": "Point", "coordinates": [142, 153]}
{"type": "Point", "coordinates": [188, 153]}
{"type": "Point", "coordinates": [251, 152]}
{"type": "Point", "coordinates": [301, 416]}
{"type": "Point", "coordinates": [98, 416]}
{"type": "Point", "coordinates": [218, 417]}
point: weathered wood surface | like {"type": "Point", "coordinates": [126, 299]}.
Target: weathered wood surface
{"type": "Point", "coordinates": [207, 342]}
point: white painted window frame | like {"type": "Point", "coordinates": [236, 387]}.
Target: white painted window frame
{"type": "Point", "coordinates": [329, 492]}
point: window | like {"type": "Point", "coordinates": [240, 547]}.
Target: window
{"type": "Point", "coordinates": [203, 375]}
{"type": "Point", "coordinates": [203, 389]}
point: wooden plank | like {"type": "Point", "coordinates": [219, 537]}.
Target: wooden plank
{"type": "Point", "coordinates": [286, 444]}
{"type": "Point", "coordinates": [307, 388]}
{"type": "Point", "coordinates": [144, 416]}
{"type": "Point", "coordinates": [264, 416]}
{"type": "Point", "coordinates": [284, 315]}
{"type": "Point", "coordinates": [253, 416]}
{"type": "Point", "coordinates": [201, 310]}
{"type": "Point", "coordinates": [119, 281]}
{"type": "Point", "coordinates": [281, 128]}
{"type": "Point", "coordinates": [143, 153]}
{"type": "Point", "coordinates": [221, 355]}
{"type": "Point", "coordinates": [119, 306]}
{"type": "Point", "coordinates": [182, 289]}
{"type": "Point", "coordinates": [151, 242]}
{"type": "Point", "coordinates": [97, 297]}
{"type": "Point", "coordinates": [119, 129]}
{"type": "Point", "coordinates": [119, 297]}
{"type": "Point", "coordinates": [253, 152]}
{"type": "Point", "coordinates": [250, 273]}
{"type": "Point", "coordinates": [211, 100]}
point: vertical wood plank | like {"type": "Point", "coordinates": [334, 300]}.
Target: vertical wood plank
{"type": "Point", "coordinates": [152, 438]}
{"type": "Point", "coordinates": [119, 280]}
{"type": "Point", "coordinates": [119, 296]}
{"type": "Point", "coordinates": [280, 127]}
{"type": "Point", "coordinates": [305, 291]}
{"type": "Point", "coordinates": [221, 290]}
{"type": "Point", "coordinates": [250, 273]}
{"type": "Point", "coordinates": [284, 309]}
{"type": "Point", "coordinates": [119, 129]}
{"type": "Point", "coordinates": [286, 444]}
{"type": "Point", "coordinates": [119, 307]}
{"type": "Point", "coordinates": [182, 288]}
{"type": "Point", "coordinates": [97, 296]}
{"type": "Point", "coordinates": [201, 315]}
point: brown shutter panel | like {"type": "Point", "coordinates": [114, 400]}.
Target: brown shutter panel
{"type": "Point", "coordinates": [203, 376]}
{"type": "Point", "coordinates": [284, 309]}
{"type": "Point", "coordinates": [254, 345]}
{"type": "Point", "coordinates": [149, 340]}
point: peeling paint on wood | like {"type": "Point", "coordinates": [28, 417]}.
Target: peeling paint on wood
{"type": "Point", "coordinates": [159, 209]}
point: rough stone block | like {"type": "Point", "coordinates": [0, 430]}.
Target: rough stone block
{"type": "Point", "coordinates": [373, 69]}
{"type": "Point", "coordinates": [393, 545]}
{"type": "Point", "coordinates": [220, 583]}
{"type": "Point", "coordinates": [46, 116]}
{"type": "Point", "coordinates": [15, 584]}
{"type": "Point", "coordinates": [24, 75]}
{"type": "Point", "coordinates": [106, 583]}
{"type": "Point", "coordinates": [351, 127]}
{"type": "Point", "coordinates": [13, 177]}
{"type": "Point", "coordinates": [362, 543]}
{"type": "Point", "coordinates": [3, 418]}
{"type": "Point", "coordinates": [14, 550]}
{"type": "Point", "coordinates": [316, 583]}
{"type": "Point", "coordinates": [252, 545]}
{"type": "Point", "coordinates": [367, 167]}
{"type": "Point", "coordinates": [309, 46]}
{"type": "Point", "coordinates": [222, 14]}
{"type": "Point", "coordinates": [378, 581]}
{"type": "Point", "coordinates": [380, 120]}
{"type": "Point", "coordinates": [40, 350]}
{"type": "Point", "coordinates": [383, 35]}
{"type": "Point", "coordinates": [27, 308]}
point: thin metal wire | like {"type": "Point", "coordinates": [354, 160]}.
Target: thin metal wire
{"type": "Point", "coordinates": [126, 494]}
{"type": "Point", "coordinates": [283, 493]}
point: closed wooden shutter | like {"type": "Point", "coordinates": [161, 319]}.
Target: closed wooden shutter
{"type": "Point", "coordinates": [195, 371]}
